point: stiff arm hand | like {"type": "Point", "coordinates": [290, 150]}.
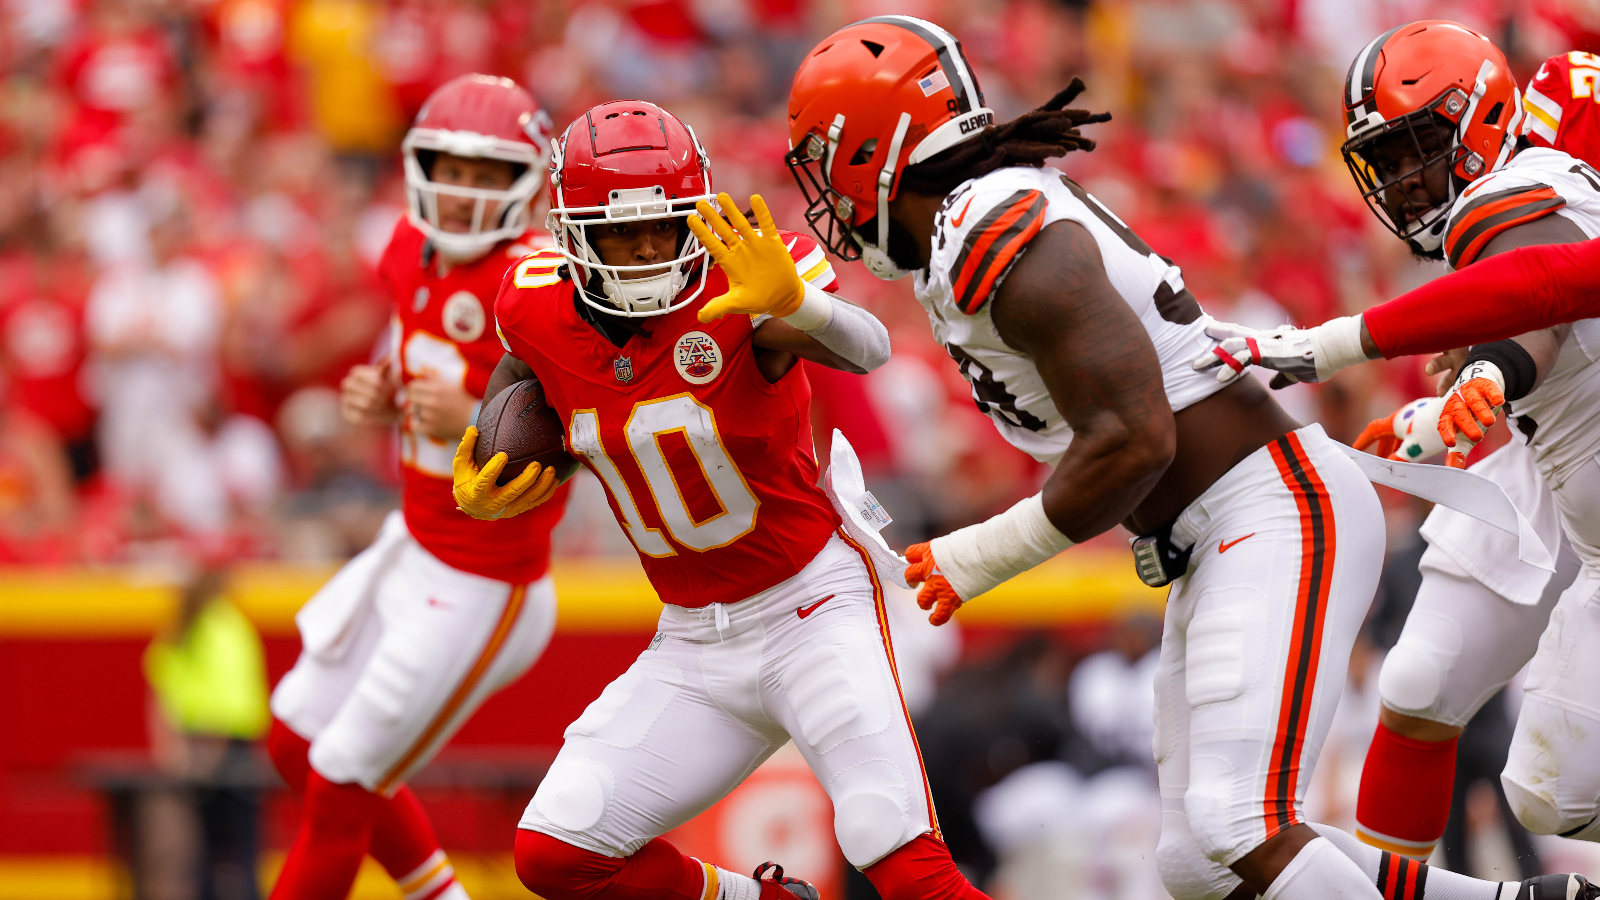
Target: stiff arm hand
{"type": "Point", "coordinates": [761, 275]}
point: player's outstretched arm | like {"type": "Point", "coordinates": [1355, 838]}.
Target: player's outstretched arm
{"type": "Point", "coordinates": [806, 321]}
{"type": "Point", "coordinates": [1503, 370]}
{"type": "Point", "coordinates": [1095, 357]}
{"type": "Point", "coordinates": [1517, 290]}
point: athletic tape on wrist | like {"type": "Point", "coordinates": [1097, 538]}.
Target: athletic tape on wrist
{"type": "Point", "coordinates": [976, 558]}
{"type": "Point", "coordinates": [1336, 345]}
{"type": "Point", "coordinates": [816, 309]}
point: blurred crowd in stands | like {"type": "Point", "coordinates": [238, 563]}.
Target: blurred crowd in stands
{"type": "Point", "coordinates": [193, 195]}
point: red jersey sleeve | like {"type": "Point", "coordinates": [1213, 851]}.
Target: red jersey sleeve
{"type": "Point", "coordinates": [810, 261]}
{"type": "Point", "coordinates": [1505, 295]}
{"type": "Point", "coordinates": [1559, 106]}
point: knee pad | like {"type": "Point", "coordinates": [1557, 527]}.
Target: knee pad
{"type": "Point", "coordinates": [1185, 872]}
{"type": "Point", "coordinates": [871, 812]}
{"type": "Point", "coordinates": [1535, 809]}
{"type": "Point", "coordinates": [1208, 805]}
{"type": "Point", "coordinates": [1414, 672]}
{"type": "Point", "coordinates": [575, 793]}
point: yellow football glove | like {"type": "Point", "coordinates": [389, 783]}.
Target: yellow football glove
{"type": "Point", "coordinates": [761, 273]}
{"type": "Point", "coordinates": [479, 497]}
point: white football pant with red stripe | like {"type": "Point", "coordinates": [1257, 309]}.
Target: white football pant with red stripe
{"type": "Point", "coordinates": [1287, 547]}
{"type": "Point", "coordinates": [419, 647]}
{"type": "Point", "coordinates": [719, 690]}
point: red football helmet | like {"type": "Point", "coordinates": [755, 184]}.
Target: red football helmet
{"type": "Point", "coordinates": [481, 116]}
{"type": "Point", "coordinates": [1428, 82]}
{"type": "Point", "coordinates": [871, 99]}
{"type": "Point", "coordinates": [629, 161]}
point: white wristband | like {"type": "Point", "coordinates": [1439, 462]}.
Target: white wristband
{"type": "Point", "coordinates": [1480, 368]}
{"type": "Point", "coordinates": [1336, 344]}
{"type": "Point", "coordinates": [815, 311]}
{"type": "Point", "coordinates": [978, 557]}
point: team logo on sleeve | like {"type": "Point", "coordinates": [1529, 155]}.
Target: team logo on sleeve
{"type": "Point", "coordinates": [464, 319]}
{"type": "Point", "coordinates": [697, 357]}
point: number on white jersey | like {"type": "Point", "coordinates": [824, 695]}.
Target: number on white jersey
{"type": "Point", "coordinates": [647, 423]}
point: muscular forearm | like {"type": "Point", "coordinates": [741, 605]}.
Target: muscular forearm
{"type": "Point", "coordinates": [1509, 294]}
{"type": "Point", "coordinates": [1102, 479]}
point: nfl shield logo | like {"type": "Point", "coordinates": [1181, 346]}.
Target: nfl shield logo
{"type": "Point", "coordinates": [622, 367]}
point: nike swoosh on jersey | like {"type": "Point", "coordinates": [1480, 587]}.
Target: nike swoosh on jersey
{"type": "Point", "coordinates": [808, 610]}
{"type": "Point", "coordinates": [1222, 546]}
{"type": "Point", "coordinates": [963, 217]}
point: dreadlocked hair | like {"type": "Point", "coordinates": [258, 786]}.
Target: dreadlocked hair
{"type": "Point", "coordinates": [1028, 140]}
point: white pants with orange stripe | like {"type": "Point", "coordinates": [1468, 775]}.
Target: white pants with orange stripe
{"type": "Point", "coordinates": [1287, 547]}
{"type": "Point", "coordinates": [719, 690]}
{"type": "Point", "coordinates": [422, 647]}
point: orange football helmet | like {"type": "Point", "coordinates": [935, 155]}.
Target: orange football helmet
{"type": "Point", "coordinates": [874, 97]}
{"type": "Point", "coordinates": [1447, 91]}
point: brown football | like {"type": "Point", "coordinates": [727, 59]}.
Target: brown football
{"type": "Point", "coordinates": [520, 424]}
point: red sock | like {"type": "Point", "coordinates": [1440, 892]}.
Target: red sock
{"type": "Point", "coordinates": [1405, 793]}
{"type": "Point", "coordinates": [402, 838]}
{"type": "Point", "coordinates": [291, 756]}
{"type": "Point", "coordinates": [922, 868]}
{"type": "Point", "coordinates": [334, 829]}
{"type": "Point", "coordinates": [556, 870]}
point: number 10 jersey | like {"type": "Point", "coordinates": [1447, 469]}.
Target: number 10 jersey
{"type": "Point", "coordinates": [983, 227]}
{"type": "Point", "coordinates": [708, 467]}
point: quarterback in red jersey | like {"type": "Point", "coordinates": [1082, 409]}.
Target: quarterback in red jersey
{"type": "Point", "coordinates": [680, 386]}
{"type": "Point", "coordinates": [419, 629]}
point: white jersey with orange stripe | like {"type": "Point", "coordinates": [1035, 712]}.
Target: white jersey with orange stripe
{"type": "Point", "coordinates": [1558, 417]}
{"type": "Point", "coordinates": [983, 227]}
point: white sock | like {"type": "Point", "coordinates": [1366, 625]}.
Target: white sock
{"type": "Point", "coordinates": [1435, 884]}
{"type": "Point", "coordinates": [1320, 872]}
{"type": "Point", "coordinates": [730, 886]}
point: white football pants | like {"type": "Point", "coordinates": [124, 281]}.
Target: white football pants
{"type": "Point", "coordinates": [1552, 776]}
{"type": "Point", "coordinates": [719, 690]}
{"type": "Point", "coordinates": [1287, 548]}
{"type": "Point", "coordinates": [399, 651]}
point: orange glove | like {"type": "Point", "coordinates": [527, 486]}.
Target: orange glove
{"type": "Point", "coordinates": [1470, 408]}
{"type": "Point", "coordinates": [1409, 434]}
{"type": "Point", "coordinates": [936, 593]}
{"type": "Point", "coordinates": [1378, 438]}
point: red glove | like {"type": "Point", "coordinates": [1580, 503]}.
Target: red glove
{"type": "Point", "coordinates": [936, 593]}
{"type": "Point", "coordinates": [1468, 410]}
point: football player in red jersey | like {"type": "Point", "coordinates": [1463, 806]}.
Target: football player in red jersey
{"type": "Point", "coordinates": [420, 628]}
{"type": "Point", "coordinates": [680, 386]}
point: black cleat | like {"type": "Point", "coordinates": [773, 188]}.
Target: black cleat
{"type": "Point", "coordinates": [805, 891]}
{"type": "Point", "coordinates": [1558, 887]}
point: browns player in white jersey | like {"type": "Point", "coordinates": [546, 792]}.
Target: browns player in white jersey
{"type": "Point", "coordinates": [1434, 122]}
{"type": "Point", "coordinates": [410, 637]}
{"type": "Point", "coordinates": [1077, 340]}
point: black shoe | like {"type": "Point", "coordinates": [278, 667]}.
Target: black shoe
{"type": "Point", "coordinates": [805, 891]}
{"type": "Point", "coordinates": [1558, 887]}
